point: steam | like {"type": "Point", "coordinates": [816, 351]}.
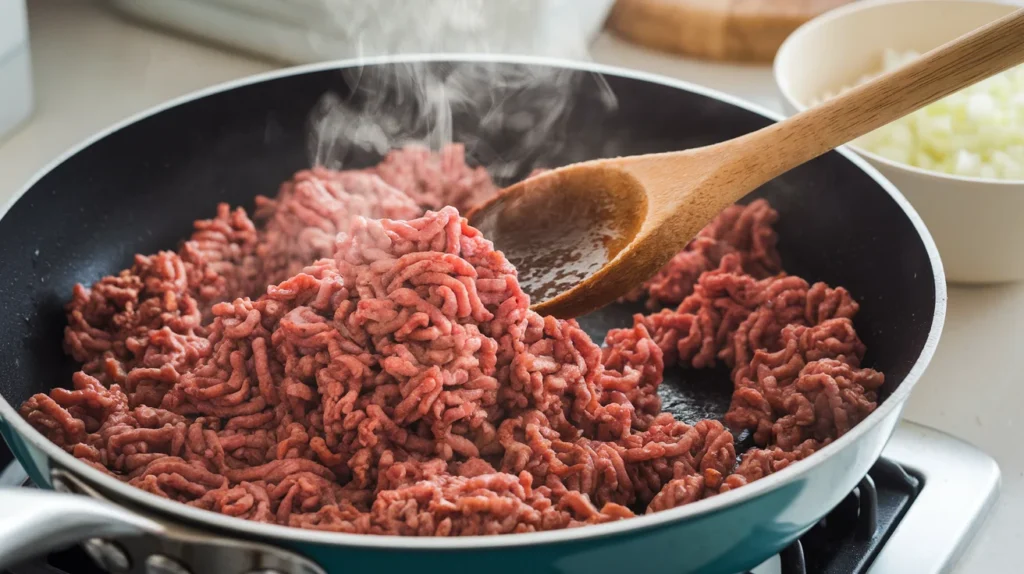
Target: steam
{"type": "Point", "coordinates": [516, 113]}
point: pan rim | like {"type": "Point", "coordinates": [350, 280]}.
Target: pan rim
{"type": "Point", "coordinates": [215, 521]}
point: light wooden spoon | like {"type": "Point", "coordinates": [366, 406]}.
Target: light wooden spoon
{"type": "Point", "coordinates": [583, 235]}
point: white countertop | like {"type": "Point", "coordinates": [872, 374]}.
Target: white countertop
{"type": "Point", "coordinates": [92, 68]}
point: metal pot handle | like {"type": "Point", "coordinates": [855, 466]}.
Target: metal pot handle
{"type": "Point", "coordinates": [35, 522]}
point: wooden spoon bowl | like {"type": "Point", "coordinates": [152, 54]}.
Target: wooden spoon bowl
{"type": "Point", "coordinates": [590, 215]}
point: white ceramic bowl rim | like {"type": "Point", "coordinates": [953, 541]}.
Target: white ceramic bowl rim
{"type": "Point", "coordinates": [838, 13]}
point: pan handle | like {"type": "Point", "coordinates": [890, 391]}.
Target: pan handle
{"type": "Point", "coordinates": [35, 522]}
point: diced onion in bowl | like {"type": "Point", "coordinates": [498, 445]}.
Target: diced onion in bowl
{"type": "Point", "coordinates": [977, 132]}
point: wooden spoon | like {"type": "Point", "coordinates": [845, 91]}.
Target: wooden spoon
{"type": "Point", "coordinates": [583, 235]}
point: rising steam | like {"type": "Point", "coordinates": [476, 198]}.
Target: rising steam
{"type": "Point", "coordinates": [421, 102]}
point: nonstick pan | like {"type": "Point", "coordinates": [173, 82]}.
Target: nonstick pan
{"type": "Point", "coordinates": [137, 187]}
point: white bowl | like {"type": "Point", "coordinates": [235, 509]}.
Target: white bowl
{"type": "Point", "coordinates": [977, 223]}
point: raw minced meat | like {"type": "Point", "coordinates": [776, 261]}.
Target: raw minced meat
{"type": "Point", "coordinates": [355, 364]}
{"type": "Point", "coordinates": [745, 230]}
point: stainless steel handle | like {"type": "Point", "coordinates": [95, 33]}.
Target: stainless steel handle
{"type": "Point", "coordinates": [34, 522]}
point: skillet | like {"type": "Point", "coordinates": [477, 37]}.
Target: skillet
{"type": "Point", "coordinates": [136, 188]}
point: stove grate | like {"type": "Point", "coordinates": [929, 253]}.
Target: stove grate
{"type": "Point", "coordinates": [847, 540]}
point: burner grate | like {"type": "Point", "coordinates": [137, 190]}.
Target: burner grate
{"type": "Point", "coordinates": [847, 540]}
{"type": "Point", "coordinates": [882, 499]}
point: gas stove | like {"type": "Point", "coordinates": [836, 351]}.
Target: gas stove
{"type": "Point", "coordinates": [915, 511]}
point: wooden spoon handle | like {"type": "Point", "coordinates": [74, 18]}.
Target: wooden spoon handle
{"type": "Point", "coordinates": [947, 69]}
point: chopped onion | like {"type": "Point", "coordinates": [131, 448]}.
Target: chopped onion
{"type": "Point", "coordinates": [977, 132]}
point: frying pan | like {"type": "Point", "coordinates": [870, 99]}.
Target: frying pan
{"type": "Point", "coordinates": [137, 187]}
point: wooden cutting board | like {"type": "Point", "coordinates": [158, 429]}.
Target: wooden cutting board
{"type": "Point", "coordinates": [725, 30]}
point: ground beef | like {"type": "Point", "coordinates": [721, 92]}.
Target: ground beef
{"type": "Point", "coordinates": [151, 315]}
{"type": "Point", "coordinates": [354, 364]}
{"type": "Point", "coordinates": [809, 389]}
{"type": "Point", "coordinates": [745, 230]}
{"type": "Point", "coordinates": [300, 224]}
{"type": "Point", "coordinates": [434, 180]}
{"type": "Point", "coordinates": [730, 314]}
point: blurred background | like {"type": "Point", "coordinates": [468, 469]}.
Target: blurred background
{"type": "Point", "coordinates": [71, 67]}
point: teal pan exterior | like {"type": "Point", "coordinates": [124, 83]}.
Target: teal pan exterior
{"type": "Point", "coordinates": [729, 540]}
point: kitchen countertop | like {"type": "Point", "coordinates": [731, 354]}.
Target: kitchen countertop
{"type": "Point", "coordinates": [93, 68]}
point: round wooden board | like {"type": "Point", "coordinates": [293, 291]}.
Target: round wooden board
{"type": "Point", "coordinates": [729, 30]}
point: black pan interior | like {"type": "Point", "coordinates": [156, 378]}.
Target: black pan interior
{"type": "Point", "coordinates": [138, 190]}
